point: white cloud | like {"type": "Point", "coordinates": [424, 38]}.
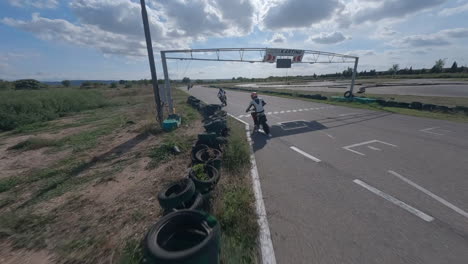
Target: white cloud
{"type": "Point", "coordinates": [87, 35]}
{"type": "Point", "coordinates": [328, 38]}
{"type": "Point", "coordinates": [115, 26]}
{"type": "Point", "coordinates": [441, 38]}
{"type": "Point", "coordinates": [240, 13]}
{"type": "Point", "coordinates": [34, 3]}
{"type": "Point", "coordinates": [299, 13]}
{"type": "Point", "coordinates": [277, 39]}
{"type": "Point", "coordinates": [392, 9]}
{"type": "Point", "coordinates": [454, 10]}
{"type": "Point", "coordinates": [362, 53]}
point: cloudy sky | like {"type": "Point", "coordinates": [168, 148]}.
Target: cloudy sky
{"type": "Point", "coordinates": [103, 39]}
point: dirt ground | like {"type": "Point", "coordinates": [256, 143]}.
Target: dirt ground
{"type": "Point", "coordinates": [91, 196]}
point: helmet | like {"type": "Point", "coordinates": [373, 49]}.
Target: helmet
{"type": "Point", "coordinates": [253, 95]}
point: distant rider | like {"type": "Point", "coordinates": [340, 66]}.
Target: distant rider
{"type": "Point", "coordinates": [257, 103]}
{"type": "Point", "coordinates": [222, 95]}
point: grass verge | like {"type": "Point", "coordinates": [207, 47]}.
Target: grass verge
{"type": "Point", "coordinates": [234, 203]}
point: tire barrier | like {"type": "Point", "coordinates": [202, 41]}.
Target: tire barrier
{"type": "Point", "coordinates": [176, 194]}
{"type": "Point", "coordinates": [208, 181]}
{"type": "Point", "coordinates": [416, 105]}
{"type": "Point", "coordinates": [182, 237]}
{"type": "Point", "coordinates": [206, 155]}
{"type": "Point", "coordinates": [187, 234]}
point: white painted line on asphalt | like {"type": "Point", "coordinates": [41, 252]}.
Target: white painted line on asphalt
{"type": "Point", "coordinates": [275, 113]}
{"type": "Point", "coordinates": [395, 201]}
{"type": "Point", "coordinates": [269, 113]}
{"type": "Point", "coordinates": [282, 112]}
{"type": "Point", "coordinates": [435, 197]}
{"type": "Point", "coordinates": [365, 143]}
{"type": "Point", "coordinates": [264, 236]}
{"type": "Point", "coordinates": [294, 111]}
{"type": "Point", "coordinates": [300, 110]}
{"type": "Point", "coordinates": [427, 130]}
{"type": "Point", "coordinates": [374, 148]}
{"type": "Point", "coordinates": [280, 123]}
{"type": "Point", "coordinates": [305, 154]}
{"type": "Point", "coordinates": [330, 136]}
{"type": "Point", "coordinates": [306, 109]}
{"type": "Point", "coordinates": [347, 114]}
{"type": "Point", "coordinates": [240, 120]}
{"type": "Point", "coordinates": [289, 111]}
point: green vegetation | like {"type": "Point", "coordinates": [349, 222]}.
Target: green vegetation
{"type": "Point", "coordinates": [28, 84]}
{"type": "Point", "coordinates": [237, 154]}
{"type": "Point", "coordinates": [239, 226]}
{"type": "Point", "coordinates": [5, 85]}
{"type": "Point", "coordinates": [200, 173]}
{"type": "Point", "coordinates": [166, 150]}
{"type": "Point", "coordinates": [19, 108]}
{"type": "Point", "coordinates": [132, 252]}
{"type": "Point", "coordinates": [66, 83]}
{"type": "Point", "coordinates": [234, 203]}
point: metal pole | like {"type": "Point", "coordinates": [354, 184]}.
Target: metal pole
{"type": "Point", "coordinates": [354, 74]}
{"type": "Point", "coordinates": [149, 46]}
{"type": "Point", "coordinates": [168, 83]}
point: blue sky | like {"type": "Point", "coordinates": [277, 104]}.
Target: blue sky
{"type": "Point", "coordinates": [103, 39]}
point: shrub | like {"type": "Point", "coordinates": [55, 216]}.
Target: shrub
{"type": "Point", "coordinates": [28, 84]}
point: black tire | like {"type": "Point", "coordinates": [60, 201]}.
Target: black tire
{"type": "Point", "coordinates": [182, 237]}
{"type": "Point", "coordinates": [348, 94]}
{"type": "Point", "coordinates": [206, 186]}
{"type": "Point", "coordinates": [195, 149]}
{"type": "Point", "coordinates": [176, 194]}
{"type": "Point", "coordinates": [195, 203]}
{"type": "Point", "coordinates": [207, 154]}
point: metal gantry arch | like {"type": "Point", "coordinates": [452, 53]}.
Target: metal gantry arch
{"type": "Point", "coordinates": [248, 55]}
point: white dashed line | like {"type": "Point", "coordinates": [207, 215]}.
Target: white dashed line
{"type": "Point", "coordinates": [305, 154]}
{"type": "Point", "coordinates": [288, 111]}
{"type": "Point", "coordinates": [435, 197]}
{"type": "Point", "coordinates": [328, 135]}
{"type": "Point", "coordinates": [395, 201]}
{"type": "Point", "coordinates": [347, 114]}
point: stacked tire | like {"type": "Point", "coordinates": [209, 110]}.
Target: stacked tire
{"type": "Point", "coordinates": [182, 237]}
{"type": "Point", "coordinates": [187, 234]}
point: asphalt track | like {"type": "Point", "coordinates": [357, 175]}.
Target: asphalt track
{"type": "Point", "coordinates": [345, 185]}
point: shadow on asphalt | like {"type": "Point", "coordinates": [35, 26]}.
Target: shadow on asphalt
{"type": "Point", "coordinates": [302, 126]}
{"type": "Point", "coordinates": [285, 129]}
